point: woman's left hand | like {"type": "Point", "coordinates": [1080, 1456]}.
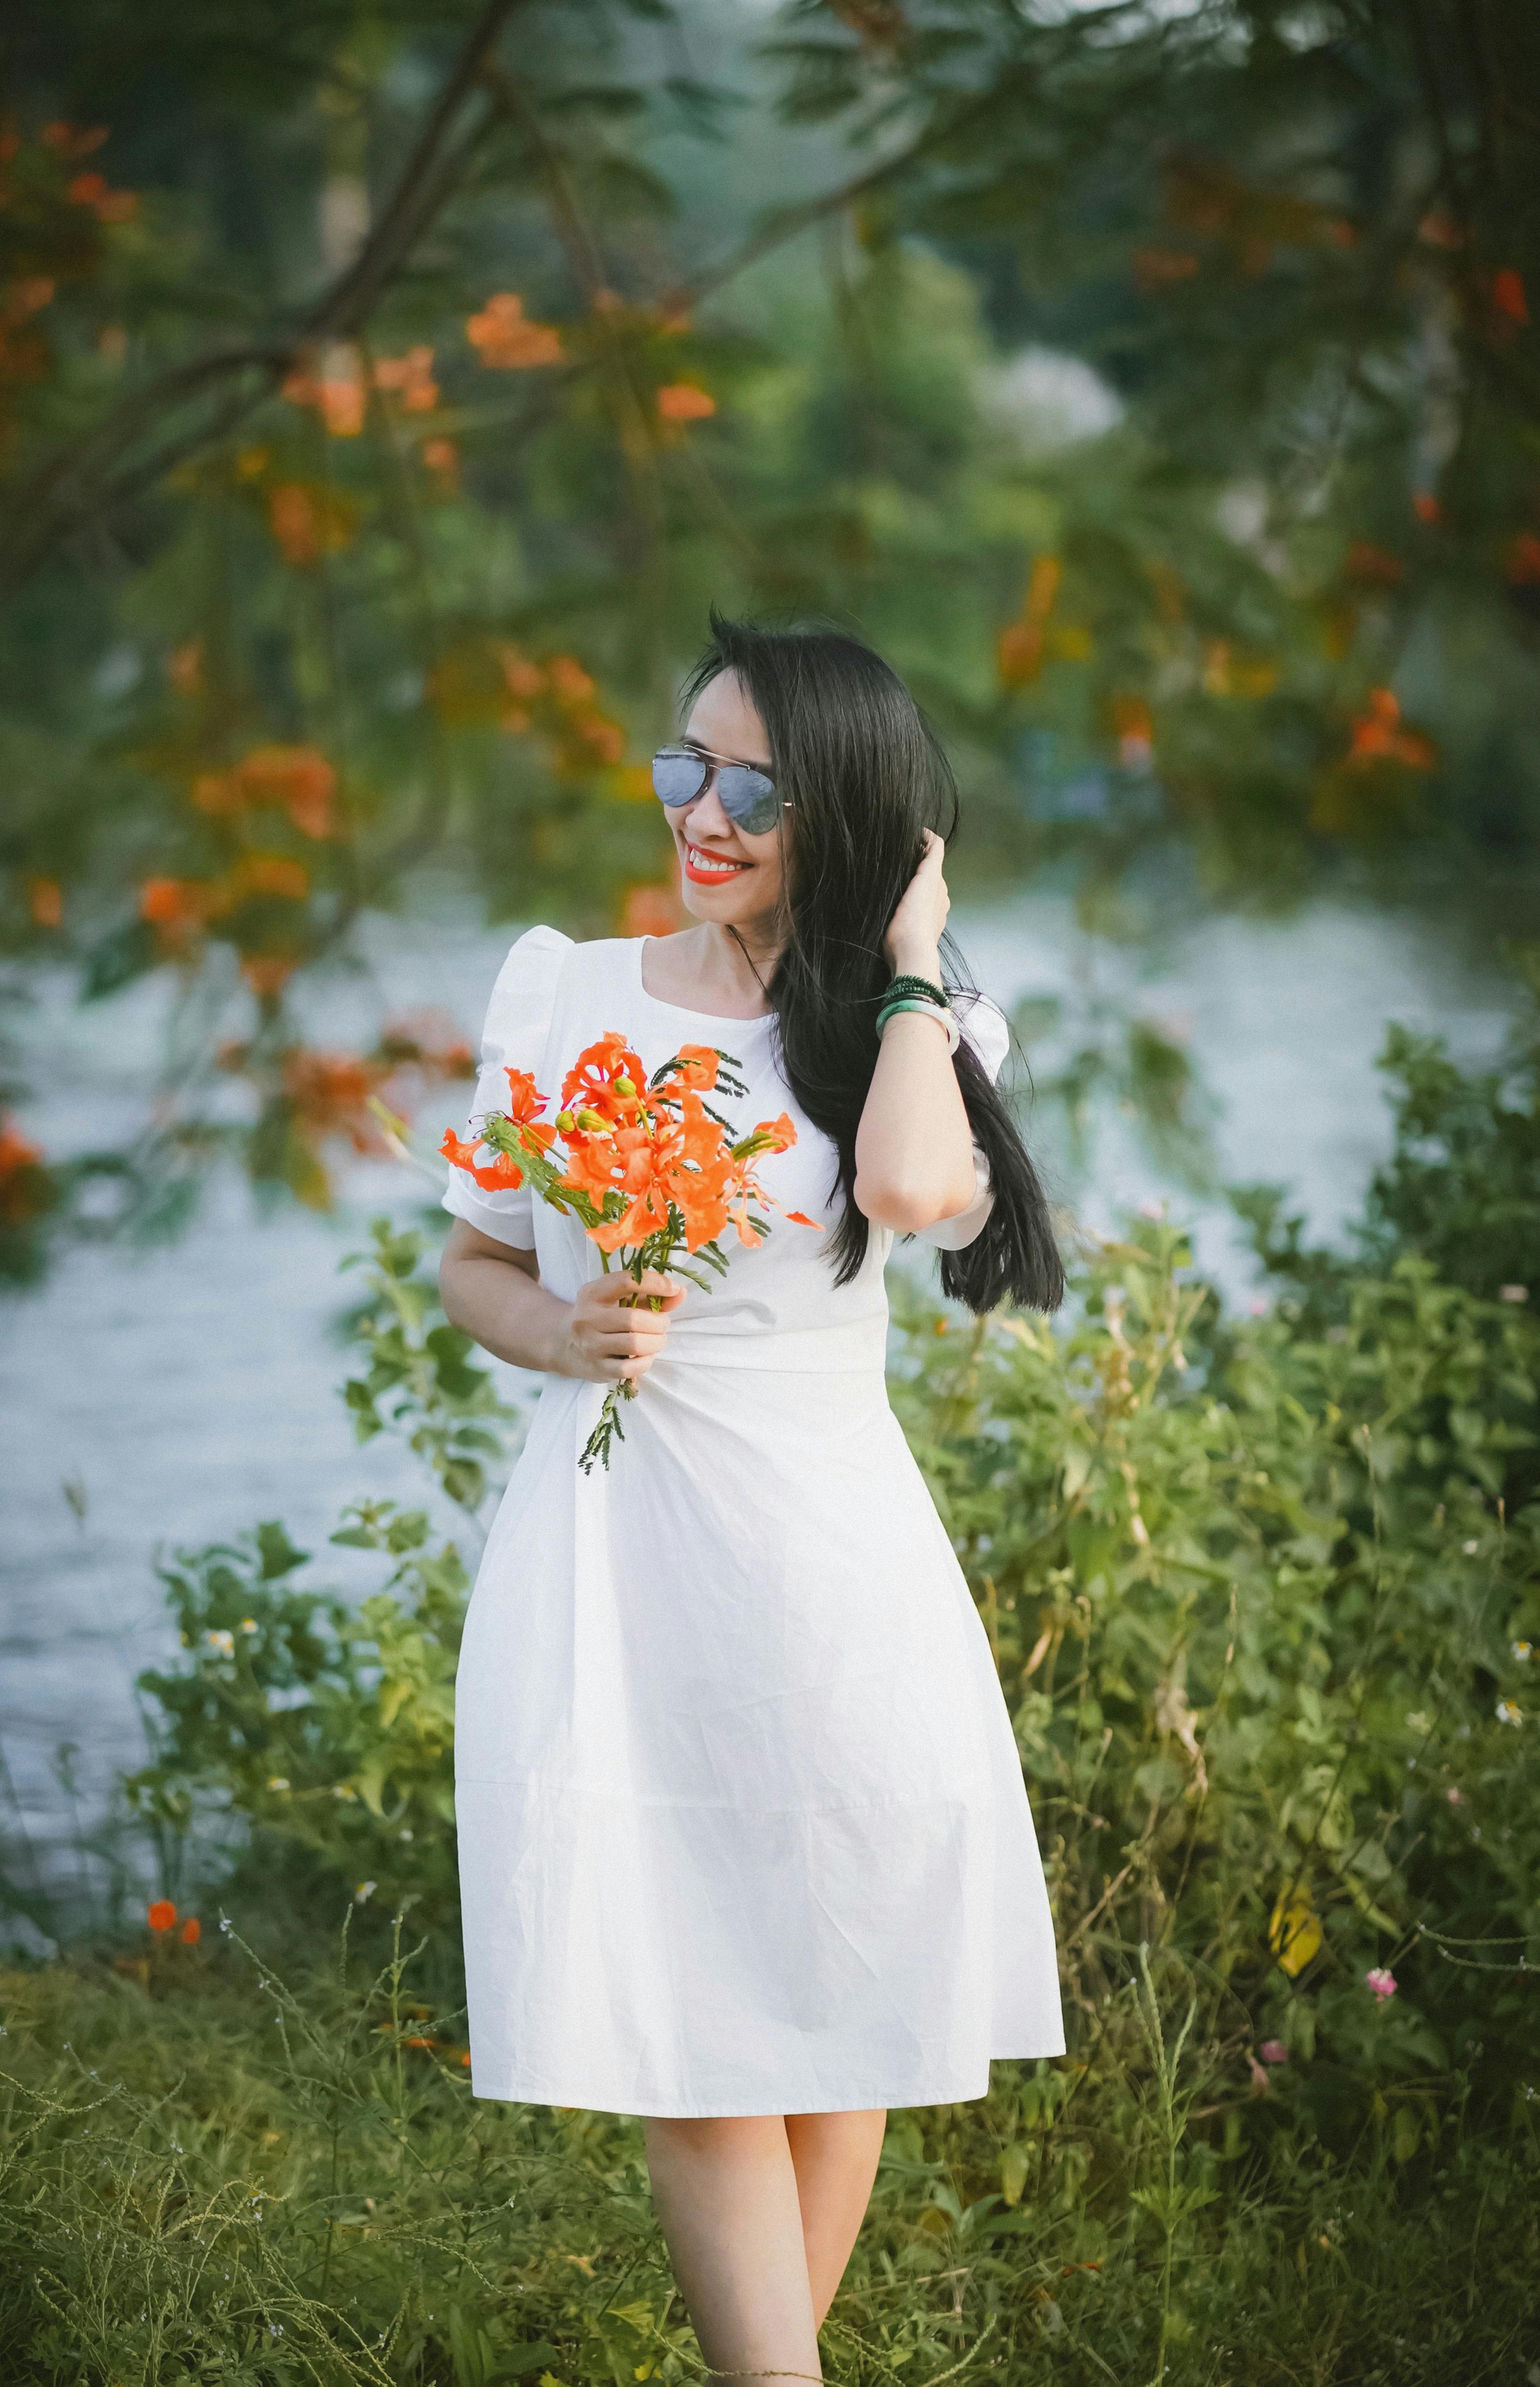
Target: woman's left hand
{"type": "Point", "coordinates": [914, 939]}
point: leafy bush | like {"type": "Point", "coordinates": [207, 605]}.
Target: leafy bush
{"type": "Point", "coordinates": [329, 1727]}
{"type": "Point", "coordinates": [1462, 1185]}
{"type": "Point", "coordinates": [1262, 1594]}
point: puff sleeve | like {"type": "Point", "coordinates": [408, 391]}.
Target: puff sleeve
{"type": "Point", "coordinates": [984, 1025]}
{"type": "Point", "coordinates": [518, 1022]}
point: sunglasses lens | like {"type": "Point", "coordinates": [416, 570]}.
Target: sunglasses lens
{"type": "Point", "coordinates": [748, 798]}
{"type": "Point", "coordinates": [677, 775]}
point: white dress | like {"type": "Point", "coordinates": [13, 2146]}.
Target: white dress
{"type": "Point", "coordinates": [742, 1824]}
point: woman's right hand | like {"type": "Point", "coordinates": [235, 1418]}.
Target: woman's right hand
{"type": "Point", "coordinates": [613, 1330]}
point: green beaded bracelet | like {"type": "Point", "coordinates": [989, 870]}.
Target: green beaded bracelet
{"type": "Point", "coordinates": [907, 982]}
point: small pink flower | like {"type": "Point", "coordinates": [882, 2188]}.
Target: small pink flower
{"type": "Point", "coordinates": [1379, 1981]}
{"type": "Point", "coordinates": [1272, 2051]}
{"type": "Point", "coordinates": [1455, 1796]}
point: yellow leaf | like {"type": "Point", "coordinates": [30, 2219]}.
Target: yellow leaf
{"type": "Point", "coordinates": [1293, 1934]}
{"type": "Point", "coordinates": [1013, 2173]}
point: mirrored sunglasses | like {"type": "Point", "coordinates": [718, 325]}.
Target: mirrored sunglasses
{"type": "Point", "coordinates": [679, 774]}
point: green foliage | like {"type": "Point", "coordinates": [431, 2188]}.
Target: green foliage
{"type": "Point", "coordinates": [1261, 1620]}
{"type": "Point", "coordinates": [326, 1728]}
{"type": "Point", "coordinates": [420, 1381]}
{"type": "Point", "coordinates": [1462, 1184]}
{"type": "Point", "coordinates": [1264, 1594]}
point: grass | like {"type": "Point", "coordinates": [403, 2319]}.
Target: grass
{"type": "Point", "coordinates": [211, 2174]}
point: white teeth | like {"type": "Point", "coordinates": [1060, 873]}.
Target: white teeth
{"type": "Point", "coordinates": [700, 861]}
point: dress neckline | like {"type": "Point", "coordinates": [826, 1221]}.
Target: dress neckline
{"type": "Point", "coordinates": [685, 1011]}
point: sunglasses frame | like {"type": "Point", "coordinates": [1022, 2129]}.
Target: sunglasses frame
{"type": "Point", "coordinates": [718, 768]}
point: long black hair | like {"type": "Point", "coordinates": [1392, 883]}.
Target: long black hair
{"type": "Point", "coordinates": [865, 776]}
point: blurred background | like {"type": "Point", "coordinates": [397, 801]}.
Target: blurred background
{"type": "Point", "coordinates": [385, 393]}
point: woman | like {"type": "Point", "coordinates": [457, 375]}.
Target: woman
{"type": "Point", "coordinates": [744, 1842]}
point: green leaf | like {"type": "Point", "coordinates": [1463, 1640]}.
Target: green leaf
{"type": "Point", "coordinates": [277, 1553]}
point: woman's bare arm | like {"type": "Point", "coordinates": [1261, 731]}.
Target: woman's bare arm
{"type": "Point", "coordinates": [914, 1147]}
{"type": "Point", "coordinates": [493, 1292]}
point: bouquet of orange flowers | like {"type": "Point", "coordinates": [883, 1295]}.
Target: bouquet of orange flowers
{"type": "Point", "coordinates": [645, 1163]}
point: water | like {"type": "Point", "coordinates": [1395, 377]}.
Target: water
{"type": "Point", "coordinates": [178, 1396]}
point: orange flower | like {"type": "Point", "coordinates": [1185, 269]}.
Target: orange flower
{"type": "Point", "coordinates": [525, 679]}
{"type": "Point", "coordinates": [192, 1931]}
{"type": "Point", "coordinates": [504, 336]}
{"type": "Point", "coordinates": [591, 1084]}
{"type": "Point", "coordinates": [683, 401]}
{"type": "Point", "coordinates": [266, 874]}
{"type": "Point", "coordinates": [28, 297]}
{"type": "Point", "coordinates": [1507, 294]}
{"type": "Point", "coordinates": [108, 207]}
{"type": "Point", "coordinates": [501, 1174]}
{"type": "Point", "coordinates": [329, 1091]}
{"type": "Point", "coordinates": [1378, 735]}
{"type": "Point", "coordinates": [338, 394]}
{"type": "Point", "coordinates": [410, 377]}
{"type": "Point", "coordinates": [569, 681]}
{"type": "Point", "coordinates": [525, 1103]}
{"type": "Point", "coordinates": [297, 777]}
{"type": "Point", "coordinates": [309, 523]}
{"type": "Point", "coordinates": [73, 140]}
{"type": "Point", "coordinates": [675, 1155]}
{"type": "Point", "coordinates": [45, 901]}
{"type": "Point", "coordinates": [292, 518]}
{"type": "Point", "coordinates": [1522, 564]}
{"type": "Point", "coordinates": [605, 738]}
{"type": "Point", "coordinates": [174, 904]}
{"type": "Point", "coordinates": [1018, 654]}
{"type": "Point", "coordinates": [769, 1136]}
{"type": "Point", "coordinates": [160, 1914]}
{"type": "Point", "coordinates": [442, 458]}
{"type": "Point", "coordinates": [696, 1065]}
{"type": "Point", "coordinates": [267, 974]}
{"type": "Point", "coordinates": [1135, 733]}
{"type": "Point", "coordinates": [21, 1182]}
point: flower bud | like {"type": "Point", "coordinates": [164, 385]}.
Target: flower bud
{"type": "Point", "coordinates": [564, 1122]}
{"type": "Point", "coordinates": [626, 1088]}
{"type": "Point", "coordinates": [590, 1123]}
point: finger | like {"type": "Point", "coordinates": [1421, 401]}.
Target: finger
{"type": "Point", "coordinates": [612, 1292]}
{"type": "Point", "coordinates": [653, 1285]}
{"type": "Point", "coordinates": [627, 1346]}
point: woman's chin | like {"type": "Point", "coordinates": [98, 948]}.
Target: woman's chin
{"type": "Point", "coordinates": [731, 902]}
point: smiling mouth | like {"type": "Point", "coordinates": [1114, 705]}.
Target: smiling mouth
{"type": "Point", "coordinates": [699, 865]}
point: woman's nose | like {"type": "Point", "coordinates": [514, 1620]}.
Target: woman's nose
{"type": "Point", "coordinates": [706, 818]}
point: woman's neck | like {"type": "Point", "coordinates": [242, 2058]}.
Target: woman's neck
{"type": "Point", "coordinates": [707, 968]}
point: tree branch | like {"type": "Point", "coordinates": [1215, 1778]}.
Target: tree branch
{"type": "Point", "coordinates": [94, 476]}
{"type": "Point", "coordinates": [787, 222]}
